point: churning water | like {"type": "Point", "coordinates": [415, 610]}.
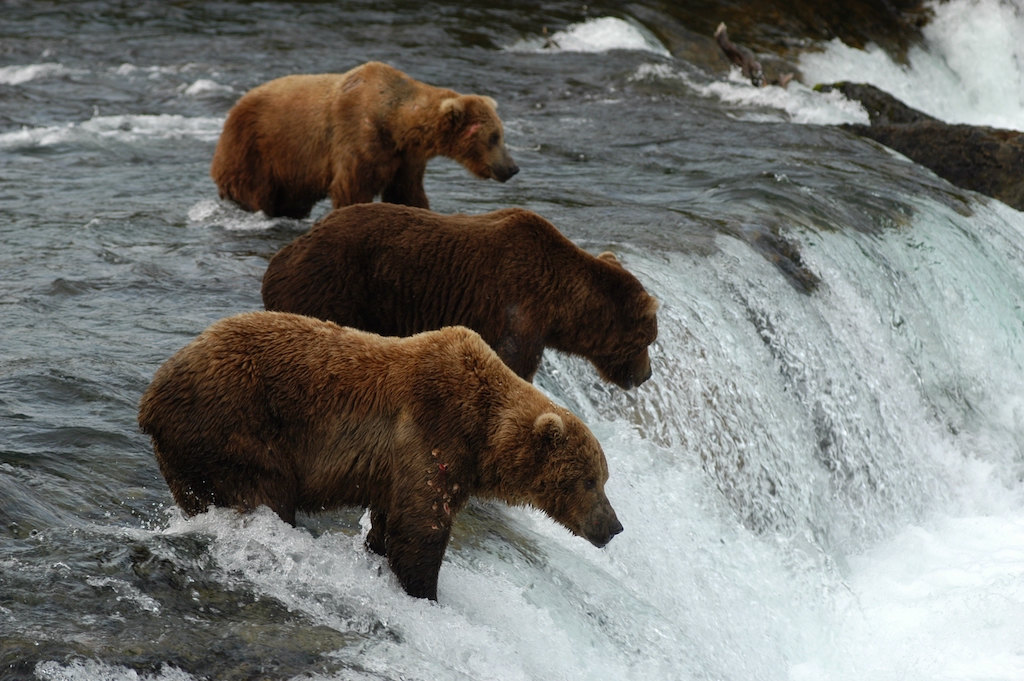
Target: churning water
{"type": "Point", "coordinates": [970, 69]}
{"type": "Point", "coordinates": [823, 480]}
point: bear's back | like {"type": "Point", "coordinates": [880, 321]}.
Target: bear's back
{"type": "Point", "coordinates": [297, 357]}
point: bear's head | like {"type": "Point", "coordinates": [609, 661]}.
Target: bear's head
{"type": "Point", "coordinates": [560, 469]}
{"type": "Point", "coordinates": [623, 356]}
{"type": "Point", "coordinates": [476, 136]}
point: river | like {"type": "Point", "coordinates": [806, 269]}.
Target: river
{"type": "Point", "coordinates": [823, 479]}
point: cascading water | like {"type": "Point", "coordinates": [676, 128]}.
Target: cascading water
{"type": "Point", "coordinates": [823, 480]}
{"type": "Point", "coordinates": [970, 68]}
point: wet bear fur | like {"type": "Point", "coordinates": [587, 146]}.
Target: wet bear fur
{"type": "Point", "coordinates": [298, 414]}
{"type": "Point", "coordinates": [510, 275]}
{"type": "Point", "coordinates": [292, 141]}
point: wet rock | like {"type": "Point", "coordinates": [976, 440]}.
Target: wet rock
{"type": "Point", "coordinates": [882, 108]}
{"type": "Point", "coordinates": [981, 158]}
{"type": "Point", "coordinates": [778, 27]}
{"type": "Point", "coordinates": [986, 160]}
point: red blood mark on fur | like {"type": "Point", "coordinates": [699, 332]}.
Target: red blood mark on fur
{"type": "Point", "coordinates": [470, 131]}
{"type": "Point", "coordinates": [444, 494]}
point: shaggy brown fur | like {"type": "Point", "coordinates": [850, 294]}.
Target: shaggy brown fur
{"type": "Point", "coordinates": [510, 275]}
{"type": "Point", "coordinates": [352, 136]}
{"type": "Point", "coordinates": [275, 409]}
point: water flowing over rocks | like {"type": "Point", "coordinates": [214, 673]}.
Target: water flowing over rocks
{"type": "Point", "coordinates": [829, 450]}
{"type": "Point", "coordinates": [985, 159]}
{"type": "Point", "coordinates": [774, 29]}
{"type": "Point", "coordinates": [980, 158]}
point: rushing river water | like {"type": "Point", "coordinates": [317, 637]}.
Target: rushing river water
{"type": "Point", "coordinates": [823, 480]}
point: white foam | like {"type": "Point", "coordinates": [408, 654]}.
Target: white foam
{"type": "Point", "coordinates": [224, 214]}
{"type": "Point", "coordinates": [794, 103]}
{"type": "Point", "coordinates": [16, 75]}
{"type": "Point", "coordinates": [124, 128]}
{"type": "Point", "coordinates": [153, 71]}
{"type": "Point", "coordinates": [205, 86]}
{"type": "Point", "coordinates": [125, 592]}
{"type": "Point", "coordinates": [595, 35]}
{"type": "Point", "coordinates": [942, 601]}
{"type": "Point", "coordinates": [92, 670]}
{"type": "Point", "coordinates": [970, 69]}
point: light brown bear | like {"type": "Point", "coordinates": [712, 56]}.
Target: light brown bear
{"type": "Point", "coordinates": [297, 414]}
{"type": "Point", "coordinates": [510, 275]}
{"type": "Point", "coordinates": [351, 136]}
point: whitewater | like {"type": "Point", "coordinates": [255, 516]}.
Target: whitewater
{"type": "Point", "coordinates": [970, 68]}
{"type": "Point", "coordinates": [815, 486]}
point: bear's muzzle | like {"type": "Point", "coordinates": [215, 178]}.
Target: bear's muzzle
{"type": "Point", "coordinates": [602, 525]}
{"type": "Point", "coordinates": [626, 375]}
{"type": "Point", "coordinates": [504, 171]}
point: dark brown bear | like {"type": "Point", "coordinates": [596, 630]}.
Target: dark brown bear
{"type": "Point", "coordinates": [510, 275]}
{"type": "Point", "coordinates": [351, 136]}
{"type": "Point", "coordinates": [297, 414]}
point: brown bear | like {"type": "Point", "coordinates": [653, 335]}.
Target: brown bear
{"type": "Point", "coordinates": [510, 275]}
{"type": "Point", "coordinates": [290, 142]}
{"type": "Point", "coordinates": [298, 414]}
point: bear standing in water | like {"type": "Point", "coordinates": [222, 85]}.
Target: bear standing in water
{"type": "Point", "coordinates": [509, 275]}
{"type": "Point", "coordinates": [351, 136]}
{"type": "Point", "coordinates": [275, 409]}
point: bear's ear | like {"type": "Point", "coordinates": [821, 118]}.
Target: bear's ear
{"type": "Point", "coordinates": [550, 427]}
{"type": "Point", "coordinates": [608, 256]}
{"type": "Point", "coordinates": [650, 308]}
{"type": "Point", "coordinates": [462, 106]}
{"type": "Point", "coordinates": [453, 106]}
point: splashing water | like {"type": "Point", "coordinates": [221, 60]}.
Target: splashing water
{"type": "Point", "coordinates": [969, 70]}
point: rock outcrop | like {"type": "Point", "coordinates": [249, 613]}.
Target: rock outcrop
{"type": "Point", "coordinates": [984, 159]}
{"type": "Point", "coordinates": [775, 28]}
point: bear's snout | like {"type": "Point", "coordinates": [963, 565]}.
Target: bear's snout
{"type": "Point", "coordinates": [643, 372]}
{"type": "Point", "coordinates": [503, 171]}
{"type": "Point", "coordinates": [626, 375]}
{"type": "Point", "coordinates": [641, 369]}
{"type": "Point", "coordinates": [603, 525]}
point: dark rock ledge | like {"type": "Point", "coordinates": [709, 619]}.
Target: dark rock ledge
{"type": "Point", "coordinates": [984, 159]}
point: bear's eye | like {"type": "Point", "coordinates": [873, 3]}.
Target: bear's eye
{"type": "Point", "coordinates": [495, 138]}
{"type": "Point", "coordinates": [589, 484]}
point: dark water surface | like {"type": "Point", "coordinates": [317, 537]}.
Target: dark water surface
{"type": "Point", "coordinates": [816, 388]}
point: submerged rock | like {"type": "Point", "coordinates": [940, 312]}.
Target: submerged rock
{"type": "Point", "coordinates": [981, 158]}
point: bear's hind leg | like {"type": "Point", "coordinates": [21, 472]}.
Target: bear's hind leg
{"type": "Point", "coordinates": [195, 495]}
{"type": "Point", "coordinates": [251, 474]}
{"type": "Point", "coordinates": [270, 489]}
{"type": "Point", "coordinates": [291, 202]}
